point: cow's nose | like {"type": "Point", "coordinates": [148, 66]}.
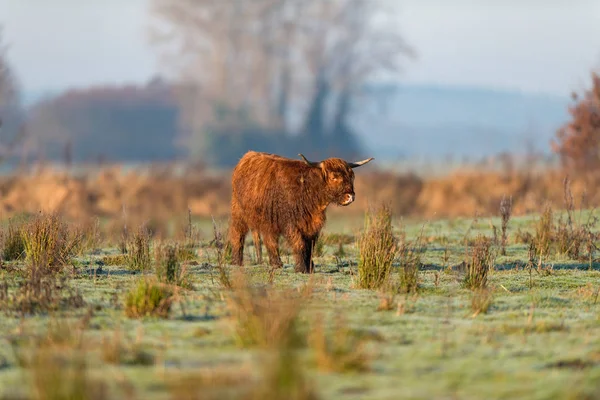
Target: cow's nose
{"type": "Point", "coordinates": [349, 198]}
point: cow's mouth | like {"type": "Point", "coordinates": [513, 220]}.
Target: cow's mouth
{"type": "Point", "coordinates": [347, 199]}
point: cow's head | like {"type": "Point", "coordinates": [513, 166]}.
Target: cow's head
{"type": "Point", "coordinates": [339, 178]}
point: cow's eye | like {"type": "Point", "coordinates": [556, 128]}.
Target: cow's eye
{"type": "Point", "coordinates": [336, 178]}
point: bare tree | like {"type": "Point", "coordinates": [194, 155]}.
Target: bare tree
{"type": "Point", "coordinates": [7, 80]}
{"type": "Point", "coordinates": [287, 65]}
{"type": "Point", "coordinates": [12, 132]}
{"type": "Point", "coordinates": [353, 41]}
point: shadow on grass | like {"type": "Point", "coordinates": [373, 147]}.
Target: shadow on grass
{"type": "Point", "coordinates": [196, 318]}
{"type": "Point", "coordinates": [102, 271]}
{"type": "Point", "coordinates": [515, 265]}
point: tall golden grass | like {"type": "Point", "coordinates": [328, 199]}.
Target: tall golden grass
{"type": "Point", "coordinates": [155, 196]}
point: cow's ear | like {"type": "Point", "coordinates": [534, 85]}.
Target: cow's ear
{"type": "Point", "coordinates": [310, 163]}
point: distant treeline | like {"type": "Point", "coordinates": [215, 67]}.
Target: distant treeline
{"type": "Point", "coordinates": [143, 124]}
{"type": "Point", "coordinates": [117, 124]}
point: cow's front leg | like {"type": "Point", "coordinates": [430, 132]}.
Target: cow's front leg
{"type": "Point", "coordinates": [302, 247]}
{"type": "Point", "coordinates": [309, 245]}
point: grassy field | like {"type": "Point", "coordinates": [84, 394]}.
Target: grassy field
{"type": "Point", "coordinates": [532, 330]}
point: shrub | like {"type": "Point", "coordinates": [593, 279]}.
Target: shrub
{"type": "Point", "coordinates": [378, 248]}
{"type": "Point", "coordinates": [577, 141]}
{"type": "Point", "coordinates": [149, 298]}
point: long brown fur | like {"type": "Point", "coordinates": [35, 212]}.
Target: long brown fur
{"type": "Point", "coordinates": [275, 196]}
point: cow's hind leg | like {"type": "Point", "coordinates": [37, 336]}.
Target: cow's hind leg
{"type": "Point", "coordinates": [272, 245]}
{"type": "Point", "coordinates": [257, 246]}
{"type": "Point", "coordinates": [238, 230]}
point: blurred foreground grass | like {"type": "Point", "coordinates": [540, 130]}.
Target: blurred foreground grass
{"type": "Point", "coordinates": [539, 339]}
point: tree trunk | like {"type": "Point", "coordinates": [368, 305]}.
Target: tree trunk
{"type": "Point", "coordinates": [343, 138]}
{"type": "Point", "coordinates": [314, 126]}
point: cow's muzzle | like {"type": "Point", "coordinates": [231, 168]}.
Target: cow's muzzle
{"type": "Point", "coordinates": [347, 199]}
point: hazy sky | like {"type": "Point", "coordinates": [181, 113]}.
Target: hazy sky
{"type": "Point", "coordinates": [531, 45]}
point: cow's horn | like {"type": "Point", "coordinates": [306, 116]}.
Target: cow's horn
{"type": "Point", "coordinates": [359, 163]}
{"type": "Point", "coordinates": [312, 164]}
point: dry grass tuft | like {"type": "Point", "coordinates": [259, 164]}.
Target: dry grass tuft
{"type": "Point", "coordinates": [223, 255]}
{"type": "Point", "coordinates": [262, 317]}
{"type": "Point", "coordinates": [284, 378]}
{"type": "Point", "coordinates": [378, 248]}
{"type": "Point", "coordinates": [120, 350]}
{"type": "Point", "coordinates": [91, 235]}
{"type": "Point", "coordinates": [13, 245]}
{"type": "Point", "coordinates": [138, 250]}
{"type": "Point", "coordinates": [481, 301]}
{"type": "Point", "coordinates": [505, 214]}
{"type": "Point", "coordinates": [211, 384]}
{"type": "Point", "coordinates": [319, 247]}
{"type": "Point", "coordinates": [544, 233]}
{"type": "Point", "coordinates": [56, 365]}
{"type": "Point", "coordinates": [387, 301]}
{"type": "Point", "coordinates": [573, 237]}
{"type": "Point", "coordinates": [480, 260]}
{"type": "Point", "coordinates": [565, 236]}
{"type": "Point", "coordinates": [115, 259]}
{"type": "Point", "coordinates": [49, 241]}
{"type": "Point", "coordinates": [339, 349]}
{"type": "Point", "coordinates": [265, 318]}
{"type": "Point", "coordinates": [41, 291]}
{"type": "Point", "coordinates": [167, 258]}
{"type": "Point", "coordinates": [281, 377]}
{"type": "Point", "coordinates": [409, 257]}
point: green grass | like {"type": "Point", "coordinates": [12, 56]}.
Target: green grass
{"type": "Point", "coordinates": [539, 336]}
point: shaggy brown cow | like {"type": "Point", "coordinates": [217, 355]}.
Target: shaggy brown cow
{"type": "Point", "coordinates": [275, 196]}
